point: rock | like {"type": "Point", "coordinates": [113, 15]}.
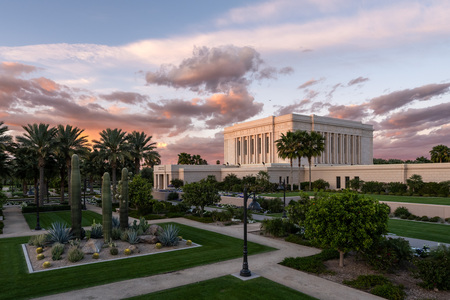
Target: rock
{"type": "Point", "coordinates": [134, 249]}
{"type": "Point", "coordinates": [149, 239]}
{"type": "Point", "coordinates": [154, 229]}
{"type": "Point", "coordinates": [92, 246]}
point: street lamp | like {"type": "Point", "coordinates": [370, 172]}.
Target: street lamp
{"type": "Point", "coordinates": [283, 187]}
{"type": "Point", "coordinates": [245, 272]}
{"type": "Point", "coordinates": [38, 226]}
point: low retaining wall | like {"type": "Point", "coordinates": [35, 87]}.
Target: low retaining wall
{"type": "Point", "coordinates": [418, 209]}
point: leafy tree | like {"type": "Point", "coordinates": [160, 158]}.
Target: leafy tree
{"type": "Point", "coordinates": [320, 184]}
{"type": "Point", "coordinates": [177, 183]}
{"type": "Point", "coordinates": [200, 194]}
{"type": "Point", "coordinates": [41, 140]}
{"type": "Point", "coordinates": [113, 146]}
{"type": "Point", "coordinates": [231, 180]}
{"type": "Point", "coordinates": [5, 143]}
{"type": "Point", "coordinates": [188, 159]}
{"type": "Point", "coordinates": [414, 183]}
{"type": "Point", "coordinates": [147, 173]}
{"type": "Point", "coordinates": [312, 145]}
{"type": "Point", "coordinates": [141, 148]}
{"type": "Point", "coordinates": [346, 221]}
{"type": "Point", "coordinates": [262, 183]}
{"type": "Point", "coordinates": [140, 193]}
{"type": "Point", "coordinates": [356, 184]}
{"type": "Point", "coordinates": [422, 160]}
{"type": "Point", "coordinates": [287, 148]}
{"type": "Point", "coordinates": [440, 154]}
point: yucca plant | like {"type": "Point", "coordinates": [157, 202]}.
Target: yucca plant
{"type": "Point", "coordinates": [57, 251]}
{"type": "Point", "coordinates": [133, 237]}
{"type": "Point", "coordinates": [59, 232]}
{"type": "Point", "coordinates": [115, 222]}
{"type": "Point", "coordinates": [168, 236]}
{"type": "Point", "coordinates": [96, 231]}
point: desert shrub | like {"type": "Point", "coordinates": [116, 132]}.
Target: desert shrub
{"type": "Point", "coordinates": [365, 282]}
{"type": "Point", "coordinates": [173, 196]}
{"type": "Point", "coordinates": [115, 233]}
{"type": "Point", "coordinates": [401, 211]}
{"type": "Point", "coordinates": [96, 230]}
{"type": "Point", "coordinates": [312, 264]}
{"type": "Point", "coordinates": [57, 251]}
{"type": "Point", "coordinates": [389, 291]}
{"type": "Point", "coordinates": [238, 213]}
{"type": "Point", "coordinates": [133, 237]}
{"type": "Point", "coordinates": [435, 219]}
{"type": "Point", "coordinates": [434, 271]}
{"type": "Point", "coordinates": [278, 227]}
{"type": "Point", "coordinates": [168, 236]}
{"type": "Point", "coordinates": [388, 254]}
{"type": "Point", "coordinates": [221, 216]}
{"type": "Point", "coordinates": [38, 240]}
{"type": "Point", "coordinates": [75, 254]}
{"type": "Point", "coordinates": [59, 232]}
{"type": "Point", "coordinates": [271, 205]}
{"type": "Point", "coordinates": [320, 184]}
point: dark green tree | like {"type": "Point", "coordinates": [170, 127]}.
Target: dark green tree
{"type": "Point", "coordinates": [440, 154]}
{"type": "Point", "coordinates": [287, 148]}
{"type": "Point", "coordinates": [311, 145]}
{"type": "Point", "coordinates": [141, 148]}
{"type": "Point", "coordinates": [200, 194]}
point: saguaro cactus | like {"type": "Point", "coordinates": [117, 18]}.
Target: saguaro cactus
{"type": "Point", "coordinates": [124, 200]}
{"type": "Point", "coordinates": [106, 207]}
{"type": "Point", "coordinates": [75, 197]}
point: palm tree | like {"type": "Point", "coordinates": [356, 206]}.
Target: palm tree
{"type": "Point", "coordinates": [440, 153]}
{"type": "Point", "coordinates": [184, 159]}
{"type": "Point", "coordinates": [313, 146]}
{"type": "Point", "coordinates": [113, 146]}
{"type": "Point", "coordinates": [41, 140]}
{"type": "Point", "coordinates": [300, 137]}
{"type": "Point", "coordinates": [141, 148]}
{"type": "Point", "coordinates": [5, 143]}
{"type": "Point", "coordinates": [287, 147]}
{"type": "Point", "coordinates": [5, 140]}
{"type": "Point", "coordinates": [69, 142]}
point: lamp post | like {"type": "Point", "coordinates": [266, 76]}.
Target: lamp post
{"type": "Point", "coordinates": [283, 187]}
{"type": "Point", "coordinates": [245, 272]}
{"type": "Point", "coordinates": [38, 226]}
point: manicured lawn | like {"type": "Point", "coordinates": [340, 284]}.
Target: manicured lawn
{"type": "Point", "coordinates": [229, 288]}
{"type": "Point", "coordinates": [47, 218]}
{"type": "Point", "coordinates": [420, 230]}
{"type": "Point", "coordinates": [412, 199]}
{"type": "Point", "coordinates": [22, 285]}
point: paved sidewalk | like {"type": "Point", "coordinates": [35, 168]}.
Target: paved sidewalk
{"type": "Point", "coordinates": [264, 264]}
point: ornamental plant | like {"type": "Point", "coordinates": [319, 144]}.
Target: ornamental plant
{"type": "Point", "coordinates": [96, 255]}
{"type": "Point", "coordinates": [127, 251]}
{"type": "Point", "coordinates": [39, 250]}
{"type": "Point", "coordinates": [47, 264]}
{"type": "Point", "coordinates": [346, 221]}
{"type": "Point", "coordinates": [40, 256]}
{"type": "Point", "coordinates": [188, 243]}
{"type": "Point", "coordinates": [158, 245]}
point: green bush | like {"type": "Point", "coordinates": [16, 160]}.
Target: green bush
{"type": "Point", "coordinates": [365, 282]}
{"type": "Point", "coordinates": [2, 225]}
{"type": "Point", "coordinates": [447, 220]}
{"type": "Point", "coordinates": [44, 208]}
{"type": "Point", "coordinates": [434, 270]}
{"type": "Point", "coordinates": [57, 251]}
{"type": "Point", "coordinates": [402, 211]}
{"type": "Point", "coordinates": [412, 217]}
{"type": "Point", "coordinates": [424, 219]}
{"type": "Point", "coordinates": [238, 213]}
{"type": "Point", "coordinates": [115, 233]}
{"type": "Point", "coordinates": [298, 239]}
{"type": "Point", "coordinates": [388, 254]}
{"type": "Point", "coordinates": [173, 196]}
{"type": "Point", "coordinates": [312, 264]}
{"type": "Point", "coordinates": [114, 251]}
{"type": "Point", "coordinates": [320, 184]}
{"type": "Point", "coordinates": [278, 227]}
{"type": "Point", "coordinates": [389, 291]}
{"type": "Point", "coordinates": [435, 219]}
{"type": "Point", "coordinates": [221, 216]}
{"type": "Point", "coordinates": [75, 254]}
{"type": "Point", "coordinates": [271, 205]}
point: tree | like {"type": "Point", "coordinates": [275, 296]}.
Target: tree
{"type": "Point", "coordinates": [187, 159]}
{"type": "Point", "coordinates": [5, 140]}
{"type": "Point", "coordinates": [141, 148]}
{"type": "Point", "coordinates": [346, 221]}
{"type": "Point", "coordinates": [177, 183]}
{"type": "Point", "coordinates": [422, 160]}
{"type": "Point", "coordinates": [200, 194]}
{"type": "Point", "coordinates": [312, 145]}
{"type": "Point", "coordinates": [262, 182]}
{"type": "Point", "coordinates": [356, 184]}
{"type": "Point", "coordinates": [68, 142]}
{"type": "Point", "coordinates": [231, 180]}
{"type": "Point", "coordinates": [440, 154]}
{"type": "Point", "coordinates": [41, 140]}
{"type": "Point", "coordinates": [414, 183]}
{"type": "Point", "coordinates": [140, 193]}
{"type": "Point", "coordinates": [113, 146]}
{"type": "Point", "coordinates": [287, 148]}
{"type": "Point", "coordinates": [5, 143]}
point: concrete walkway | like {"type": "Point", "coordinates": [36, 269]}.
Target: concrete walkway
{"type": "Point", "coordinates": [264, 264]}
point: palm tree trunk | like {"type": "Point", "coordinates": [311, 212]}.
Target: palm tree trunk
{"type": "Point", "coordinates": [62, 185]}
{"type": "Point", "coordinates": [309, 162]}
{"type": "Point", "coordinates": [299, 174]}
{"type": "Point", "coordinates": [41, 185]}
{"type": "Point", "coordinates": [292, 181]}
{"type": "Point", "coordinates": [35, 191]}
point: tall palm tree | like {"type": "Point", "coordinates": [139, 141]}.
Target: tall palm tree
{"type": "Point", "coordinates": [287, 147]}
{"type": "Point", "coordinates": [440, 153]}
{"type": "Point", "coordinates": [69, 142]}
{"type": "Point", "coordinates": [300, 137]}
{"type": "Point", "coordinates": [24, 165]}
{"type": "Point", "coordinates": [313, 146]}
{"type": "Point", "coordinates": [5, 140]}
{"type": "Point", "coordinates": [141, 148]}
{"type": "Point", "coordinates": [41, 140]}
{"type": "Point", "coordinates": [5, 143]}
{"type": "Point", "coordinates": [184, 159]}
{"type": "Point", "coordinates": [153, 158]}
{"type": "Point", "coordinates": [113, 146]}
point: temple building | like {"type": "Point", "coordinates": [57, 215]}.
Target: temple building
{"type": "Point", "coordinates": [250, 147]}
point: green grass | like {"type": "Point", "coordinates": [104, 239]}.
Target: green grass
{"type": "Point", "coordinates": [413, 199]}
{"type": "Point", "coordinates": [229, 288]}
{"type": "Point", "coordinates": [47, 218]}
{"type": "Point", "coordinates": [420, 230]}
{"type": "Point", "coordinates": [21, 285]}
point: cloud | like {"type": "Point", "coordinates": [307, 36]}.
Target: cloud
{"type": "Point", "coordinates": [125, 97]}
{"type": "Point", "coordinates": [216, 69]}
{"type": "Point", "coordinates": [286, 71]}
{"type": "Point", "coordinates": [386, 103]}
{"type": "Point", "coordinates": [348, 112]}
{"type": "Point", "coordinates": [357, 81]}
{"type": "Point", "coordinates": [16, 69]}
{"type": "Point", "coordinates": [310, 83]}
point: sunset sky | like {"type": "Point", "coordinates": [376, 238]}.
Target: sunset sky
{"type": "Point", "coordinates": [181, 71]}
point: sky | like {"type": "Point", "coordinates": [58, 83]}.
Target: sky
{"type": "Point", "coordinates": [183, 71]}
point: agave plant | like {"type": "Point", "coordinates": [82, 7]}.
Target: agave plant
{"type": "Point", "coordinates": [168, 236]}
{"type": "Point", "coordinates": [133, 237]}
{"type": "Point", "coordinates": [115, 222]}
{"type": "Point", "coordinates": [59, 232]}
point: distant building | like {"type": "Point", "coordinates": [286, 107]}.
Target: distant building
{"type": "Point", "coordinates": [250, 147]}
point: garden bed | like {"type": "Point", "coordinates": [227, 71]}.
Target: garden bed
{"type": "Point", "coordinates": [35, 265]}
